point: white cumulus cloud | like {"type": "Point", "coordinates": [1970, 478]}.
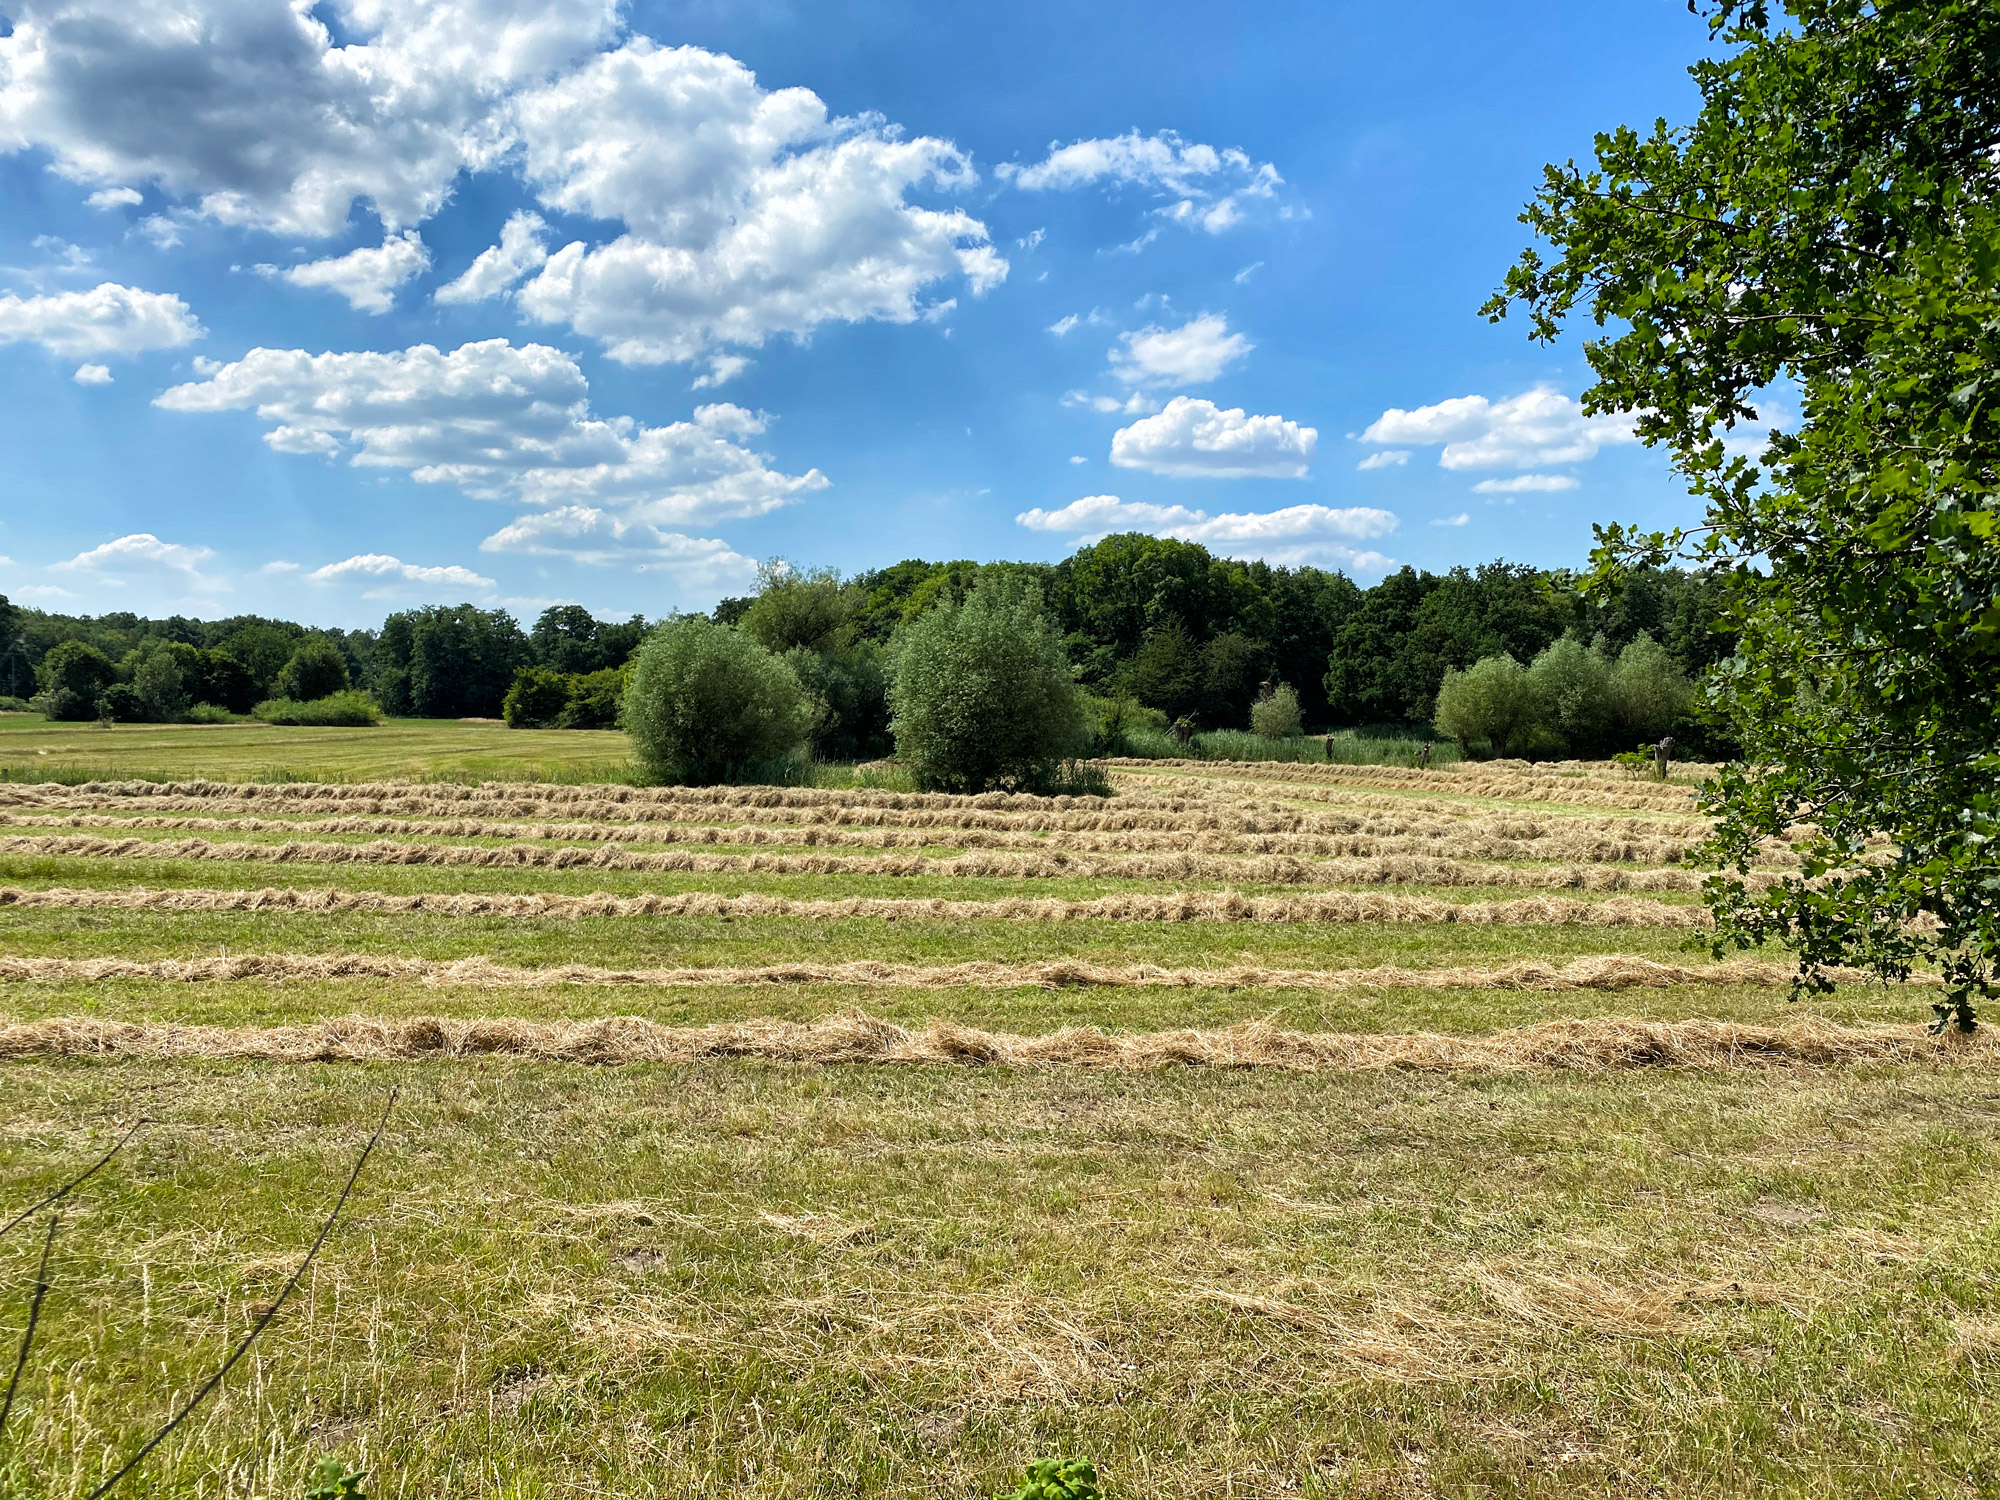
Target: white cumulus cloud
{"type": "Point", "coordinates": [381, 568]}
{"type": "Point", "coordinates": [588, 535]}
{"type": "Point", "coordinates": [251, 110]}
{"type": "Point", "coordinates": [92, 375]}
{"type": "Point", "coordinates": [141, 556]}
{"type": "Point", "coordinates": [108, 319]}
{"type": "Point", "coordinates": [1195, 439]}
{"type": "Point", "coordinates": [367, 277]}
{"type": "Point", "coordinates": [1388, 458]}
{"type": "Point", "coordinates": [500, 266]}
{"type": "Point", "coordinates": [1205, 186]}
{"type": "Point", "coordinates": [1193, 354]}
{"type": "Point", "coordinates": [500, 423]}
{"type": "Point", "coordinates": [115, 198]}
{"type": "Point", "coordinates": [1522, 484]}
{"type": "Point", "coordinates": [1296, 533]}
{"type": "Point", "coordinates": [1536, 428]}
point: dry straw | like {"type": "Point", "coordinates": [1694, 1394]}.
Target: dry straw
{"type": "Point", "coordinates": [1584, 1046]}
{"type": "Point", "coordinates": [1056, 865]}
{"type": "Point", "coordinates": [1444, 843]}
{"type": "Point", "coordinates": [1599, 972]}
{"type": "Point", "coordinates": [1176, 906]}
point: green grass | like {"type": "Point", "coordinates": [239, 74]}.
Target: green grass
{"type": "Point", "coordinates": [33, 749]}
{"type": "Point", "coordinates": [761, 1282]}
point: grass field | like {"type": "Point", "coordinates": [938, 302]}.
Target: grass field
{"type": "Point", "coordinates": [1446, 1164]}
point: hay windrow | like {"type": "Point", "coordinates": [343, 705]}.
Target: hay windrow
{"type": "Point", "coordinates": [1598, 972]}
{"type": "Point", "coordinates": [1572, 1046]}
{"type": "Point", "coordinates": [1450, 843]}
{"type": "Point", "coordinates": [1300, 780]}
{"type": "Point", "coordinates": [1175, 906]}
{"type": "Point", "coordinates": [1056, 865]}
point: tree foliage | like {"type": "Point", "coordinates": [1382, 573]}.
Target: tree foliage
{"type": "Point", "coordinates": [1493, 700]}
{"type": "Point", "coordinates": [983, 694]}
{"type": "Point", "coordinates": [448, 662]}
{"type": "Point", "coordinates": [1828, 226]}
{"type": "Point", "coordinates": [707, 704]}
{"type": "Point", "coordinates": [315, 670]}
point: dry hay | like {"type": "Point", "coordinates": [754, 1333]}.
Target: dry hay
{"type": "Point", "coordinates": [1447, 842]}
{"type": "Point", "coordinates": [1302, 777]}
{"type": "Point", "coordinates": [1055, 865]}
{"type": "Point", "coordinates": [1599, 972]}
{"type": "Point", "coordinates": [1228, 815]}
{"type": "Point", "coordinates": [1501, 774]}
{"type": "Point", "coordinates": [1581, 1046]}
{"type": "Point", "coordinates": [1176, 906]}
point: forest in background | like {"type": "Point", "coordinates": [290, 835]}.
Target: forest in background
{"type": "Point", "coordinates": [1164, 623]}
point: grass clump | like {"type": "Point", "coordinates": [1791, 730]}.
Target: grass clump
{"type": "Point", "coordinates": [347, 709]}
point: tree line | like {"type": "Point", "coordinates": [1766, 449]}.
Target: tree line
{"type": "Point", "coordinates": [1159, 624]}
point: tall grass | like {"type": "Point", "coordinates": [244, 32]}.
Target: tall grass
{"type": "Point", "coordinates": [1347, 747]}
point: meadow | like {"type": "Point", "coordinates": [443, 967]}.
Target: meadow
{"type": "Point", "coordinates": [1260, 1130]}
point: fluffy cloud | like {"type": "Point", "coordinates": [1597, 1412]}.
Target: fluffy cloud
{"type": "Point", "coordinates": [1196, 439]}
{"type": "Point", "coordinates": [392, 571]}
{"type": "Point", "coordinates": [144, 556]}
{"type": "Point", "coordinates": [500, 423]}
{"type": "Point", "coordinates": [1388, 458]}
{"type": "Point", "coordinates": [368, 277]}
{"type": "Point", "coordinates": [1538, 427]}
{"type": "Point", "coordinates": [1297, 533]}
{"type": "Point", "coordinates": [749, 213]}
{"type": "Point", "coordinates": [1192, 354]}
{"type": "Point", "coordinates": [1207, 187]}
{"type": "Point", "coordinates": [92, 375]}
{"type": "Point", "coordinates": [585, 534]}
{"type": "Point", "coordinates": [1522, 484]}
{"type": "Point", "coordinates": [251, 110]}
{"type": "Point", "coordinates": [108, 198]}
{"type": "Point", "coordinates": [108, 319]}
{"type": "Point", "coordinates": [497, 268]}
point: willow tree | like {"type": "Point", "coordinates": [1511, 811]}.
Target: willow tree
{"type": "Point", "coordinates": [1824, 235]}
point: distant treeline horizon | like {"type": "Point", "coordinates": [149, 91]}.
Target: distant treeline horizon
{"type": "Point", "coordinates": [1163, 622]}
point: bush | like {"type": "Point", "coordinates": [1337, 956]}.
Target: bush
{"type": "Point", "coordinates": [209, 713]}
{"type": "Point", "coordinates": [119, 704]}
{"type": "Point", "coordinates": [1572, 682]}
{"type": "Point", "coordinates": [315, 670]}
{"type": "Point", "coordinates": [10, 705]}
{"type": "Point", "coordinates": [1493, 700]}
{"type": "Point", "coordinates": [1649, 695]}
{"type": "Point", "coordinates": [1275, 714]}
{"type": "Point", "coordinates": [161, 689]}
{"type": "Point", "coordinates": [983, 693]}
{"type": "Point", "coordinates": [71, 677]}
{"type": "Point", "coordinates": [537, 698]}
{"type": "Point", "coordinates": [1122, 725]}
{"type": "Point", "coordinates": [593, 699]}
{"type": "Point", "coordinates": [706, 704]}
{"type": "Point", "coordinates": [348, 710]}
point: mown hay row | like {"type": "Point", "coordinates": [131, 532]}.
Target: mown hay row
{"type": "Point", "coordinates": [1513, 789]}
{"type": "Point", "coordinates": [1397, 817]}
{"type": "Point", "coordinates": [1178, 906]}
{"type": "Point", "coordinates": [1581, 775]}
{"type": "Point", "coordinates": [1576, 1046]}
{"type": "Point", "coordinates": [1247, 869]}
{"type": "Point", "coordinates": [1443, 845]}
{"type": "Point", "coordinates": [1598, 972]}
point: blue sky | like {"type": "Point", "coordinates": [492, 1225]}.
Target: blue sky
{"type": "Point", "coordinates": [322, 311]}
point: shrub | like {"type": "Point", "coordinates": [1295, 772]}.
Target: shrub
{"type": "Point", "coordinates": [119, 704]}
{"type": "Point", "coordinates": [160, 687]}
{"type": "Point", "coordinates": [796, 608]}
{"type": "Point", "coordinates": [1054, 1479]}
{"type": "Point", "coordinates": [1275, 714]}
{"type": "Point", "coordinates": [707, 704]}
{"type": "Point", "coordinates": [537, 698]}
{"type": "Point", "coordinates": [209, 713]}
{"type": "Point", "coordinates": [1649, 695]}
{"type": "Point", "coordinates": [348, 710]}
{"type": "Point", "coordinates": [71, 677]}
{"type": "Point", "coordinates": [593, 699]}
{"type": "Point", "coordinates": [1573, 683]}
{"type": "Point", "coordinates": [10, 705]}
{"type": "Point", "coordinates": [983, 693]}
{"type": "Point", "coordinates": [1122, 725]}
{"type": "Point", "coordinates": [315, 670]}
{"type": "Point", "coordinates": [1494, 700]}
